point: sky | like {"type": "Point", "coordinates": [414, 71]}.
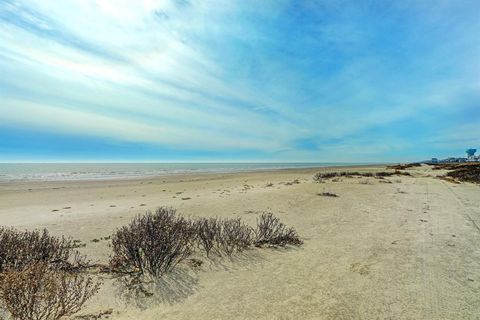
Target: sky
{"type": "Point", "coordinates": [184, 80]}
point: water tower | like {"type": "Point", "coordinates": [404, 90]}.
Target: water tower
{"type": "Point", "coordinates": [471, 154]}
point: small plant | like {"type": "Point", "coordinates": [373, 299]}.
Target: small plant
{"type": "Point", "coordinates": [207, 231]}
{"type": "Point", "coordinates": [350, 173]}
{"type": "Point", "coordinates": [223, 235]}
{"type": "Point", "coordinates": [153, 243]}
{"type": "Point", "coordinates": [405, 166]}
{"type": "Point", "coordinates": [19, 249]}
{"type": "Point", "coordinates": [385, 181]}
{"type": "Point", "coordinates": [41, 293]}
{"type": "Point", "coordinates": [233, 235]}
{"type": "Point", "coordinates": [320, 177]}
{"type": "Point", "coordinates": [327, 194]}
{"type": "Point", "coordinates": [382, 174]}
{"type": "Point", "coordinates": [271, 231]}
{"type": "Point", "coordinates": [365, 182]}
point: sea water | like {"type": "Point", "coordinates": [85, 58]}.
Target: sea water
{"type": "Point", "coordinates": [94, 171]}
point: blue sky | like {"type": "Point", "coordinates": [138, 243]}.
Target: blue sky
{"type": "Point", "coordinates": [169, 80]}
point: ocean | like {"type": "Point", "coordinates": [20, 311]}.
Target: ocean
{"type": "Point", "coordinates": [107, 171]}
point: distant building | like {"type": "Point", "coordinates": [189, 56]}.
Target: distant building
{"type": "Point", "coordinates": [470, 158]}
{"type": "Point", "coordinates": [471, 155]}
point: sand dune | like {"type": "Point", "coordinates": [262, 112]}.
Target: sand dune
{"type": "Point", "coordinates": [407, 249]}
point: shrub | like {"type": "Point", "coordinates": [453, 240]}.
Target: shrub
{"type": "Point", "coordinates": [41, 293]}
{"type": "Point", "coordinates": [350, 173]}
{"type": "Point", "coordinates": [327, 194]}
{"type": "Point", "coordinates": [468, 172]}
{"type": "Point", "coordinates": [270, 231]}
{"type": "Point", "coordinates": [224, 235]}
{"type": "Point", "coordinates": [19, 249]}
{"type": "Point", "coordinates": [405, 166]}
{"type": "Point", "coordinates": [319, 176]}
{"type": "Point", "coordinates": [233, 235]}
{"type": "Point", "coordinates": [384, 174]}
{"type": "Point", "coordinates": [207, 231]}
{"type": "Point", "coordinates": [153, 243]}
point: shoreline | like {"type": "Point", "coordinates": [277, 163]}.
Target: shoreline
{"type": "Point", "coordinates": [187, 174]}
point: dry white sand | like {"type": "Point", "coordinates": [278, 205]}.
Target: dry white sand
{"type": "Point", "coordinates": [408, 249]}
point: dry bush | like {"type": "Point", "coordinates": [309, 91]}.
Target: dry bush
{"type": "Point", "coordinates": [19, 249]}
{"type": "Point", "coordinates": [153, 243]}
{"type": "Point", "coordinates": [404, 166]}
{"type": "Point", "coordinates": [402, 173]}
{"type": "Point", "coordinates": [382, 174]}
{"type": "Point", "coordinates": [468, 172]}
{"type": "Point", "coordinates": [365, 182]}
{"type": "Point", "coordinates": [349, 173]}
{"type": "Point", "coordinates": [223, 235]}
{"type": "Point", "coordinates": [40, 292]}
{"type": "Point", "coordinates": [233, 235]}
{"type": "Point", "coordinates": [271, 231]}
{"type": "Point", "coordinates": [319, 176]}
{"type": "Point", "coordinates": [207, 231]}
{"type": "Point", "coordinates": [327, 194]}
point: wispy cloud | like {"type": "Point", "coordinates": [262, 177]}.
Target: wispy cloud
{"type": "Point", "coordinates": [281, 80]}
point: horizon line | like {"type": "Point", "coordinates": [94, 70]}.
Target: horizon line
{"type": "Point", "coordinates": [183, 161]}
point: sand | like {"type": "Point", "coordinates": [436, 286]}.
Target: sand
{"type": "Point", "coordinates": [408, 249]}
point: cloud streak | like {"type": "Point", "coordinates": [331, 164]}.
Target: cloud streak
{"type": "Point", "coordinates": [280, 80]}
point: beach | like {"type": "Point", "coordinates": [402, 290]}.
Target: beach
{"type": "Point", "coordinates": [402, 247]}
